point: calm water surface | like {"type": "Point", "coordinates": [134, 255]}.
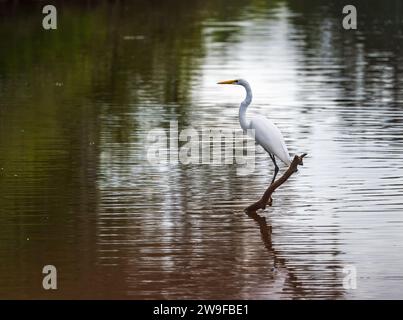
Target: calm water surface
{"type": "Point", "coordinates": [76, 190]}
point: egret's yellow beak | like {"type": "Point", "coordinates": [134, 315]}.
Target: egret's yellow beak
{"type": "Point", "coordinates": [227, 82]}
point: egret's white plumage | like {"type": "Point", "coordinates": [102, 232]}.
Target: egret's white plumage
{"type": "Point", "coordinates": [270, 138]}
{"type": "Point", "coordinates": [266, 133]}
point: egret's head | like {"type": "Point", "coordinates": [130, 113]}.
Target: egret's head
{"type": "Point", "coordinates": [243, 83]}
{"type": "Point", "coordinates": [236, 81]}
{"type": "Point", "coordinates": [240, 82]}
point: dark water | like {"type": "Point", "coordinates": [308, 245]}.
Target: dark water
{"type": "Point", "coordinates": [77, 192]}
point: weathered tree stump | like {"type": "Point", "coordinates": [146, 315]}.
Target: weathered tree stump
{"type": "Point", "coordinates": [266, 199]}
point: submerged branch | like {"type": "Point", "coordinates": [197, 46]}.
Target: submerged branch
{"type": "Point", "coordinates": [266, 198]}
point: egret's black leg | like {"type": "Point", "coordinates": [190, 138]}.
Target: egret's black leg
{"type": "Point", "coordinates": [275, 167]}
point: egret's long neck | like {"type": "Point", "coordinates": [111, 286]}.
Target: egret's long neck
{"type": "Point", "coordinates": [244, 105]}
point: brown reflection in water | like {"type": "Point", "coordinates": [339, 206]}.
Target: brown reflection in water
{"type": "Point", "coordinates": [291, 280]}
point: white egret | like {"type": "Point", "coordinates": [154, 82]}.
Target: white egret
{"type": "Point", "coordinates": [266, 133]}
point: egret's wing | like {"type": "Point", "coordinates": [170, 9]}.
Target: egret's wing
{"type": "Point", "coordinates": [270, 138]}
